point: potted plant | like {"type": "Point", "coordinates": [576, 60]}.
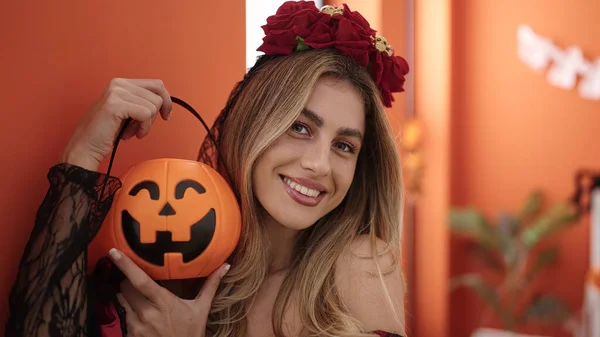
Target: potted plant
{"type": "Point", "coordinates": [510, 248]}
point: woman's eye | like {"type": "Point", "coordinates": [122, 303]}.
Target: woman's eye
{"type": "Point", "coordinates": [299, 128]}
{"type": "Point", "coordinates": [345, 147]}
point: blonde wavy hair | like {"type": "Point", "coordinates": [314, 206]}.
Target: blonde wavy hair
{"type": "Point", "coordinates": [267, 106]}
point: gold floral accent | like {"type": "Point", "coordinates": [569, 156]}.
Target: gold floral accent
{"type": "Point", "coordinates": [332, 10]}
{"type": "Point", "coordinates": [382, 45]}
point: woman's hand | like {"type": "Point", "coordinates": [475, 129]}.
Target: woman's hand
{"type": "Point", "coordinates": [138, 99]}
{"type": "Point", "coordinates": [153, 311]}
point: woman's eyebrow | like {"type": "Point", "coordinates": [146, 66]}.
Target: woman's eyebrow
{"type": "Point", "coordinates": [313, 116]}
{"type": "Point", "coordinates": [318, 121]}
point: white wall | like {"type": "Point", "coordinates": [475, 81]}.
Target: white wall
{"type": "Point", "coordinates": [257, 12]}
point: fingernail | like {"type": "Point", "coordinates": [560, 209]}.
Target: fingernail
{"type": "Point", "coordinates": [114, 253]}
{"type": "Point", "coordinates": [225, 270]}
{"type": "Point", "coordinates": [121, 301]}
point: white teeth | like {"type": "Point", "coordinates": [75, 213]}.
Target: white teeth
{"type": "Point", "coordinates": [302, 189]}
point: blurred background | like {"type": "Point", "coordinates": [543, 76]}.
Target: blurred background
{"type": "Point", "coordinates": [498, 127]}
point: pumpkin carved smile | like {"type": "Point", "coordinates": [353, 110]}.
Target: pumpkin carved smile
{"type": "Point", "coordinates": [153, 249]}
{"type": "Point", "coordinates": [201, 233]}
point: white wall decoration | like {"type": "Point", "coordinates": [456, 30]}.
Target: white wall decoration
{"type": "Point", "coordinates": [589, 87]}
{"type": "Point", "coordinates": [566, 66]}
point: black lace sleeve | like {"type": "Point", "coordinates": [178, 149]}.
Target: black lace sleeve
{"type": "Point", "coordinates": [49, 296]}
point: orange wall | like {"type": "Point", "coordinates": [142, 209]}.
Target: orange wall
{"type": "Point", "coordinates": [432, 107]}
{"type": "Point", "coordinates": [58, 56]}
{"type": "Point", "coordinates": [512, 131]}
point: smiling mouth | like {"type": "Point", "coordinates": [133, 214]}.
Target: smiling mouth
{"type": "Point", "coordinates": [306, 191]}
{"type": "Point", "coordinates": [302, 194]}
{"type": "Point", "coordinates": [201, 235]}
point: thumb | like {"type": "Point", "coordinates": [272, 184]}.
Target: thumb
{"type": "Point", "coordinates": [209, 289]}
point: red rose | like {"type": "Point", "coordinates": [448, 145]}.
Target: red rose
{"type": "Point", "coordinates": [279, 43]}
{"type": "Point", "coordinates": [292, 7]}
{"type": "Point", "coordinates": [303, 18]}
{"type": "Point", "coordinates": [358, 19]}
{"type": "Point", "coordinates": [395, 69]}
{"type": "Point", "coordinates": [352, 39]}
{"type": "Point", "coordinates": [345, 36]}
{"type": "Point", "coordinates": [351, 35]}
{"type": "Point", "coordinates": [292, 19]}
{"type": "Point", "coordinates": [321, 32]}
{"type": "Point", "coordinates": [388, 73]}
{"type": "Point", "coordinates": [376, 66]}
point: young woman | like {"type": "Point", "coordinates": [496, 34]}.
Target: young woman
{"type": "Point", "coordinates": [309, 147]}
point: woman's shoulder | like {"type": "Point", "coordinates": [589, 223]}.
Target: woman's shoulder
{"type": "Point", "coordinates": [366, 256]}
{"type": "Point", "coordinates": [377, 302]}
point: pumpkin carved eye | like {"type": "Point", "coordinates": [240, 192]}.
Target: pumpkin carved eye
{"type": "Point", "coordinates": [184, 185]}
{"type": "Point", "coordinates": [148, 185]}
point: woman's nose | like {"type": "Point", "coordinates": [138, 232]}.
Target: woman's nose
{"type": "Point", "coordinates": [316, 159]}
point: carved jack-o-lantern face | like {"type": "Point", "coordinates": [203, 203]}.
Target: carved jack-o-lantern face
{"type": "Point", "coordinates": [174, 218]}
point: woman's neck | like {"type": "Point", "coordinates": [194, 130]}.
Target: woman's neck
{"type": "Point", "coordinates": [282, 242]}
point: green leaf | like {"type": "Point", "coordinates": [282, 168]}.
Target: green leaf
{"type": "Point", "coordinates": [487, 256]}
{"type": "Point", "coordinates": [512, 254]}
{"type": "Point", "coordinates": [486, 292]}
{"type": "Point", "coordinates": [469, 222]}
{"type": "Point", "coordinates": [301, 46]}
{"type": "Point", "coordinates": [532, 205]}
{"type": "Point", "coordinates": [507, 228]}
{"type": "Point", "coordinates": [507, 225]}
{"type": "Point", "coordinates": [557, 218]}
{"type": "Point", "coordinates": [544, 259]}
{"type": "Point", "coordinates": [546, 309]}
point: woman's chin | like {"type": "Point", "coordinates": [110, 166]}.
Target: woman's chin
{"type": "Point", "coordinates": [297, 226]}
{"type": "Point", "coordinates": [293, 222]}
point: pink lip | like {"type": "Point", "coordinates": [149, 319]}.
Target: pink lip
{"type": "Point", "coordinates": [301, 198]}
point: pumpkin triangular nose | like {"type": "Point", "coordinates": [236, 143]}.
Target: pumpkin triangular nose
{"type": "Point", "coordinates": [167, 210]}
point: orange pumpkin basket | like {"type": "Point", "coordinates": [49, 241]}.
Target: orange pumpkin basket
{"type": "Point", "coordinates": [175, 218]}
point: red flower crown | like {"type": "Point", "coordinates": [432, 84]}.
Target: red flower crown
{"type": "Point", "coordinates": [300, 25]}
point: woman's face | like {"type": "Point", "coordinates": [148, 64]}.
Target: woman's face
{"type": "Point", "coordinates": [307, 172]}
